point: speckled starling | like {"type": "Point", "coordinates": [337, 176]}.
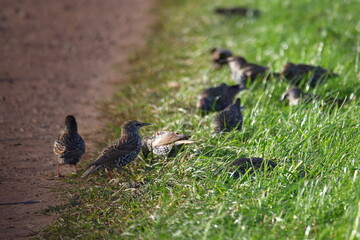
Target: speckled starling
{"type": "Point", "coordinates": [217, 98]}
{"type": "Point", "coordinates": [228, 119]}
{"type": "Point", "coordinates": [294, 73]}
{"type": "Point", "coordinates": [219, 57]}
{"type": "Point", "coordinates": [69, 147]}
{"type": "Point", "coordinates": [296, 96]}
{"type": "Point", "coordinates": [241, 70]}
{"type": "Point", "coordinates": [241, 165]}
{"type": "Point", "coordinates": [238, 11]}
{"type": "Point", "coordinates": [121, 152]}
{"type": "Point", "coordinates": [164, 143]}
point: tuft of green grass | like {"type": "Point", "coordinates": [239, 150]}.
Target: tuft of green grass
{"type": "Point", "coordinates": [313, 193]}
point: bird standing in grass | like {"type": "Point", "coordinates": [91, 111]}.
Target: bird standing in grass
{"type": "Point", "coordinates": [242, 70]}
{"type": "Point", "coordinates": [228, 119]}
{"type": "Point", "coordinates": [241, 165]}
{"type": "Point", "coordinates": [219, 56]}
{"type": "Point", "coordinates": [121, 152]}
{"type": "Point", "coordinates": [294, 73]}
{"type": "Point", "coordinates": [217, 98]}
{"type": "Point", "coordinates": [69, 147]}
{"type": "Point", "coordinates": [296, 96]}
{"type": "Point", "coordinates": [164, 143]}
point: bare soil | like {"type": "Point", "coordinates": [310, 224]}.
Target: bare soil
{"type": "Point", "coordinates": [56, 58]}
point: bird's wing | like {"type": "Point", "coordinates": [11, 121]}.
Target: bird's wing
{"type": "Point", "coordinates": [69, 146]}
{"type": "Point", "coordinates": [168, 138]}
{"type": "Point", "coordinates": [114, 152]}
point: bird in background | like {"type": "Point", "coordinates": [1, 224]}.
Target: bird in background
{"type": "Point", "coordinates": [296, 96]}
{"type": "Point", "coordinates": [228, 119]}
{"type": "Point", "coordinates": [219, 56]}
{"type": "Point", "coordinates": [241, 70]}
{"type": "Point", "coordinates": [294, 73]}
{"type": "Point", "coordinates": [164, 143]}
{"type": "Point", "coordinates": [241, 165]}
{"type": "Point", "coordinates": [121, 152]}
{"type": "Point", "coordinates": [69, 146]}
{"type": "Point", "coordinates": [217, 98]}
{"type": "Point", "coordinates": [238, 11]}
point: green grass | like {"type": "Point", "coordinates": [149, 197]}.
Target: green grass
{"type": "Point", "coordinates": [314, 193]}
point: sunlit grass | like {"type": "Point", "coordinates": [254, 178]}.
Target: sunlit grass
{"type": "Point", "coordinates": [314, 193]}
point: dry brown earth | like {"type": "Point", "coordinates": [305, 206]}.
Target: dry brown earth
{"type": "Point", "coordinates": [56, 58]}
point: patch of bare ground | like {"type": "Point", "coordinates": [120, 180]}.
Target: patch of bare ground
{"type": "Point", "coordinates": [57, 58]}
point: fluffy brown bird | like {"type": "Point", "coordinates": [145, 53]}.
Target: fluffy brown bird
{"type": "Point", "coordinates": [69, 147]}
{"type": "Point", "coordinates": [217, 98]}
{"type": "Point", "coordinates": [228, 119]}
{"type": "Point", "coordinates": [238, 11]}
{"type": "Point", "coordinates": [219, 56]}
{"type": "Point", "coordinates": [164, 143]}
{"type": "Point", "coordinates": [121, 152]}
{"type": "Point", "coordinates": [294, 73]}
{"type": "Point", "coordinates": [242, 70]}
{"type": "Point", "coordinates": [241, 165]}
{"type": "Point", "coordinates": [296, 96]}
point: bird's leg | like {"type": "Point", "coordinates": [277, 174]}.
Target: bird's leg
{"type": "Point", "coordinates": [58, 171]}
{"type": "Point", "coordinates": [75, 168]}
{"type": "Point", "coordinates": [109, 175]}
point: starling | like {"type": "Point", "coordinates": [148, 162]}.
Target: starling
{"type": "Point", "coordinates": [121, 152]}
{"type": "Point", "coordinates": [296, 96]}
{"type": "Point", "coordinates": [238, 11]}
{"type": "Point", "coordinates": [228, 119]}
{"type": "Point", "coordinates": [164, 143]}
{"type": "Point", "coordinates": [69, 147]}
{"type": "Point", "coordinates": [219, 56]}
{"type": "Point", "coordinates": [294, 73]}
{"type": "Point", "coordinates": [217, 98]}
{"type": "Point", "coordinates": [242, 70]}
{"type": "Point", "coordinates": [241, 165]}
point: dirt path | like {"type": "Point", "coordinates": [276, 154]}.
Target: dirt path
{"type": "Point", "coordinates": [57, 58]}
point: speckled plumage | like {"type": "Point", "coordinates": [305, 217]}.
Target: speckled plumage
{"type": "Point", "coordinates": [69, 146]}
{"type": "Point", "coordinates": [217, 98]}
{"type": "Point", "coordinates": [294, 73]}
{"type": "Point", "coordinates": [219, 56]}
{"type": "Point", "coordinates": [228, 119]}
{"type": "Point", "coordinates": [241, 165]}
{"type": "Point", "coordinates": [121, 152]}
{"type": "Point", "coordinates": [241, 70]}
{"type": "Point", "coordinates": [164, 143]}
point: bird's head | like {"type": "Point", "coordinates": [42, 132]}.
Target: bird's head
{"type": "Point", "coordinates": [238, 105]}
{"type": "Point", "coordinates": [293, 94]}
{"type": "Point", "coordinates": [70, 124]}
{"type": "Point", "coordinates": [240, 61]}
{"type": "Point", "coordinates": [133, 126]}
{"type": "Point", "coordinates": [288, 69]}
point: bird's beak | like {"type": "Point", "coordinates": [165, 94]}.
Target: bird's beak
{"type": "Point", "coordinates": [145, 124]}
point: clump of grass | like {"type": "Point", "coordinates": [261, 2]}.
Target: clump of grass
{"type": "Point", "coordinates": [315, 190]}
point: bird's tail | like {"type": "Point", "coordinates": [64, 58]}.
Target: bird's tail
{"type": "Point", "coordinates": [90, 170]}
